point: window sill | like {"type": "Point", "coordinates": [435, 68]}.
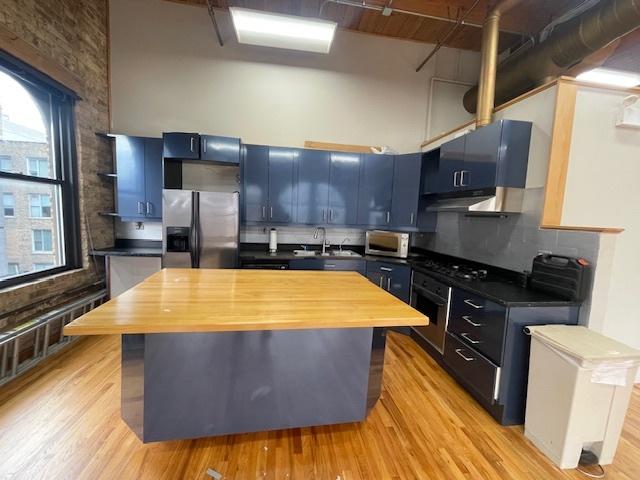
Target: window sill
{"type": "Point", "coordinates": [40, 279]}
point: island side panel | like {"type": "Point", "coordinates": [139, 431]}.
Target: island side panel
{"type": "Point", "coordinates": [376, 366]}
{"type": "Point", "coordinates": [132, 382]}
{"type": "Point", "coordinates": [207, 384]}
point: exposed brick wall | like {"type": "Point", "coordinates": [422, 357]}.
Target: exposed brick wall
{"type": "Point", "coordinates": [72, 33]}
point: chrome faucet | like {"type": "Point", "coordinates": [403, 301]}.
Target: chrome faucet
{"type": "Point", "coordinates": [346, 239]}
{"type": "Point", "coordinates": [325, 244]}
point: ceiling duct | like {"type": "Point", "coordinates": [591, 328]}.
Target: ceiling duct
{"type": "Point", "coordinates": [567, 45]}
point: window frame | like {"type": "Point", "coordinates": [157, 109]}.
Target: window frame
{"type": "Point", "coordinates": [5, 157]}
{"type": "Point", "coordinates": [12, 207]}
{"type": "Point", "coordinates": [33, 241]}
{"type": "Point", "coordinates": [65, 169]}
{"type": "Point", "coordinates": [40, 205]}
{"type": "Point", "coordinates": [40, 161]}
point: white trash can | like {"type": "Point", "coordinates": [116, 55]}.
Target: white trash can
{"type": "Point", "coordinates": [579, 388]}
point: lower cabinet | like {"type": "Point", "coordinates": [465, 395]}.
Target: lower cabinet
{"type": "Point", "coordinates": [392, 277]}
{"type": "Point", "coordinates": [328, 264]}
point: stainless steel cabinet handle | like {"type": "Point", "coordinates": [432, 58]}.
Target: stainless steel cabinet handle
{"type": "Point", "coordinates": [388, 284]}
{"type": "Point", "coordinates": [470, 303]}
{"type": "Point", "coordinates": [204, 144]}
{"type": "Point", "coordinates": [381, 279]}
{"type": "Point", "coordinates": [411, 220]}
{"type": "Point", "coordinates": [456, 182]}
{"type": "Point", "coordinates": [388, 217]}
{"type": "Point", "coordinates": [329, 265]}
{"type": "Point", "coordinates": [466, 337]}
{"type": "Point", "coordinates": [462, 184]}
{"type": "Point", "coordinates": [467, 318]}
{"type": "Point", "coordinates": [459, 352]}
{"type": "Point", "coordinates": [331, 214]}
{"type": "Point", "coordinates": [191, 144]}
{"type": "Point", "coordinates": [149, 208]}
{"type": "Point", "coordinates": [386, 269]}
{"type": "Point", "coordinates": [140, 207]}
{"type": "Point", "coordinates": [264, 211]}
{"type": "Point", "coordinates": [270, 212]}
{"type": "Point", "coordinates": [324, 215]}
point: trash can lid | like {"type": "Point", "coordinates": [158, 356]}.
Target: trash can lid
{"type": "Point", "coordinates": [582, 343]}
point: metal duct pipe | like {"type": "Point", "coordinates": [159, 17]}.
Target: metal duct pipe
{"type": "Point", "coordinates": [487, 83]}
{"type": "Point", "coordinates": [566, 46]}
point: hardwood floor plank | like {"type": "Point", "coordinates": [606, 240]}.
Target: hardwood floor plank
{"type": "Point", "coordinates": [62, 421]}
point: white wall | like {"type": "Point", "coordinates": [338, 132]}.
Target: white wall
{"type": "Point", "coordinates": [603, 190]}
{"type": "Point", "coordinates": [169, 74]}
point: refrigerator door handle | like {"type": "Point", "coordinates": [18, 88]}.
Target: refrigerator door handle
{"type": "Point", "coordinates": [196, 206]}
{"type": "Point", "coordinates": [193, 232]}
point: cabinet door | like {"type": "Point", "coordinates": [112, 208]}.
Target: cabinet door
{"type": "Point", "coordinates": [255, 174]}
{"type": "Point", "coordinates": [281, 163]}
{"type": "Point", "coordinates": [450, 165]}
{"type": "Point", "coordinates": [314, 169]}
{"type": "Point", "coordinates": [343, 188]}
{"type": "Point", "coordinates": [406, 190]}
{"type": "Point", "coordinates": [376, 190]}
{"type": "Point", "coordinates": [378, 278]}
{"type": "Point", "coordinates": [481, 157]}
{"type": "Point", "coordinates": [153, 177]}
{"type": "Point", "coordinates": [181, 145]}
{"type": "Point", "coordinates": [130, 181]}
{"type": "Point", "coordinates": [399, 282]}
{"type": "Point", "coordinates": [344, 265]}
{"type": "Point", "coordinates": [220, 149]}
{"type": "Point", "coordinates": [306, 264]}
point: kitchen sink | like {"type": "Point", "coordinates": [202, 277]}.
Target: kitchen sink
{"type": "Point", "coordinates": [305, 253]}
{"type": "Point", "coordinates": [344, 253]}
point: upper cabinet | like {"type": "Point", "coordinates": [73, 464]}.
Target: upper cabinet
{"type": "Point", "coordinates": [376, 190]}
{"type": "Point", "coordinates": [181, 145]}
{"type": "Point", "coordinates": [268, 174]}
{"type": "Point", "coordinates": [492, 156]}
{"type": "Point", "coordinates": [314, 173]}
{"type": "Point", "coordinates": [343, 188]}
{"type": "Point", "coordinates": [139, 177]}
{"type": "Point", "coordinates": [224, 150]}
{"type": "Point", "coordinates": [406, 190]}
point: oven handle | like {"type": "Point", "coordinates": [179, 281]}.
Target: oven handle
{"type": "Point", "coordinates": [439, 301]}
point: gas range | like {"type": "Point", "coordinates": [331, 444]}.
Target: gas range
{"type": "Point", "coordinates": [458, 270]}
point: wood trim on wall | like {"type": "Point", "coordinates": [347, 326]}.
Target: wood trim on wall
{"type": "Point", "coordinates": [338, 147]}
{"type": "Point", "coordinates": [16, 46]}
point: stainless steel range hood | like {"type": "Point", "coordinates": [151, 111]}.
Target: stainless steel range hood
{"type": "Point", "coordinates": [499, 200]}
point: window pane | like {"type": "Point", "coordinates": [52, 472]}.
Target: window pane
{"type": "Point", "coordinates": [25, 139]}
{"type": "Point", "coordinates": [30, 242]}
{"type": "Point", "coordinates": [8, 205]}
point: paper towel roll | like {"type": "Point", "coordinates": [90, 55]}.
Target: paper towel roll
{"type": "Point", "coordinates": [273, 240]}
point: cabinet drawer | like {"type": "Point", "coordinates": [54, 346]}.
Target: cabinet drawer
{"type": "Point", "coordinates": [479, 322]}
{"type": "Point", "coordinates": [305, 264]}
{"type": "Point", "coordinates": [345, 265]}
{"type": "Point", "coordinates": [478, 372]}
{"type": "Point", "coordinates": [385, 268]}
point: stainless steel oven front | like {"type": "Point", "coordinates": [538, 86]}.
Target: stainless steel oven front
{"type": "Point", "coordinates": [432, 299]}
{"type": "Point", "coordinates": [388, 244]}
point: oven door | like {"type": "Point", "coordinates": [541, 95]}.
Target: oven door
{"type": "Point", "coordinates": [437, 309]}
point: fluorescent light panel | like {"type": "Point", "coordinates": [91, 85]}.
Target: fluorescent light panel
{"type": "Point", "coordinates": [282, 31]}
{"type": "Point", "coordinates": [610, 77]}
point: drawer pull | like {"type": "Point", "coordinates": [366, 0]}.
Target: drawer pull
{"type": "Point", "coordinates": [467, 359]}
{"type": "Point", "coordinates": [330, 265]}
{"type": "Point", "coordinates": [466, 337]}
{"type": "Point", "coordinates": [386, 269]}
{"type": "Point", "coordinates": [467, 318]}
{"type": "Point", "coordinates": [470, 303]}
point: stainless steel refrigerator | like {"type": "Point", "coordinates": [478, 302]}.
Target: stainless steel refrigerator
{"type": "Point", "coordinates": [200, 229]}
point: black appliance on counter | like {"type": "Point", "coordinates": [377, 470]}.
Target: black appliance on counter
{"type": "Point", "coordinates": [478, 314]}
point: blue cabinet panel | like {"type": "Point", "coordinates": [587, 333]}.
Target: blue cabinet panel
{"type": "Point", "coordinates": [376, 190]}
{"type": "Point", "coordinates": [181, 145]}
{"type": "Point", "coordinates": [393, 277]}
{"type": "Point", "coordinates": [314, 171]}
{"type": "Point", "coordinates": [343, 188]}
{"type": "Point", "coordinates": [220, 149]}
{"type": "Point", "coordinates": [406, 190]}
{"type": "Point", "coordinates": [450, 165]}
{"type": "Point", "coordinates": [131, 180]}
{"type": "Point", "coordinates": [255, 173]}
{"type": "Point", "coordinates": [481, 157]}
{"type": "Point", "coordinates": [153, 177]}
{"type": "Point", "coordinates": [328, 264]}
{"type": "Point", "coordinates": [281, 169]}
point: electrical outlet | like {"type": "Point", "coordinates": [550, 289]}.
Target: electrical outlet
{"type": "Point", "coordinates": [545, 252]}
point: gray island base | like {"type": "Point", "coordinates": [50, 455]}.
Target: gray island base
{"type": "Point", "coordinates": [190, 385]}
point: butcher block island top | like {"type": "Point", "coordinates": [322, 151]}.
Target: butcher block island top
{"type": "Point", "coordinates": [207, 300]}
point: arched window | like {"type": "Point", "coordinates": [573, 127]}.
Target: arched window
{"type": "Point", "coordinates": [38, 233]}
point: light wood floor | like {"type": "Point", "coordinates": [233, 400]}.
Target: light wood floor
{"type": "Point", "coordinates": [63, 421]}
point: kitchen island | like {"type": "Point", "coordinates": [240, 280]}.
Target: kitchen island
{"type": "Point", "coordinates": [214, 352]}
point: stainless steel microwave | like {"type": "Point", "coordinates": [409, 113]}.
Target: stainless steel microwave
{"type": "Point", "coordinates": [388, 244]}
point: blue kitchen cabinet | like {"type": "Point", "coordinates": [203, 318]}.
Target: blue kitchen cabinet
{"type": "Point", "coordinates": [342, 265]}
{"type": "Point", "coordinates": [406, 191]}
{"type": "Point", "coordinates": [153, 178]}
{"type": "Point", "coordinates": [376, 190]}
{"type": "Point", "coordinates": [343, 188]}
{"type": "Point", "coordinates": [223, 150]}
{"type": "Point", "coordinates": [139, 178]}
{"type": "Point", "coordinates": [314, 173]}
{"type": "Point", "coordinates": [281, 184]}
{"type": "Point", "coordinates": [255, 174]}
{"type": "Point", "coordinates": [395, 278]}
{"type": "Point", "coordinates": [181, 145]}
{"type": "Point", "coordinates": [496, 155]}
{"type": "Point", "coordinates": [450, 166]}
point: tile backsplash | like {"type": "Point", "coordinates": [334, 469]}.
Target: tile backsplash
{"type": "Point", "coordinates": [302, 235]}
{"type": "Point", "coordinates": [138, 230]}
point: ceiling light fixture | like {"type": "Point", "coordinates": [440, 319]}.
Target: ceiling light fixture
{"type": "Point", "coordinates": [607, 76]}
{"type": "Point", "coordinates": [282, 31]}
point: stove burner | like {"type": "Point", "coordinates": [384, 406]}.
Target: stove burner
{"type": "Point", "coordinates": [463, 272]}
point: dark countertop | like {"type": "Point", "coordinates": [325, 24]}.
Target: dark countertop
{"type": "Point", "coordinates": [504, 293]}
{"type": "Point", "coordinates": [128, 252]}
